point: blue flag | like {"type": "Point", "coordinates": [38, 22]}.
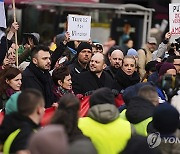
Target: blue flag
{"type": "Point", "coordinates": [2, 14]}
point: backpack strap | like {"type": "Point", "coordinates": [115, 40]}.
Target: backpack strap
{"type": "Point", "coordinates": [145, 52]}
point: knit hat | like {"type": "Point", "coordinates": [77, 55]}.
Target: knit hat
{"type": "Point", "coordinates": [83, 45]}
{"type": "Point", "coordinates": [102, 96]}
{"type": "Point", "coordinates": [11, 104]}
{"type": "Point", "coordinates": [59, 38]}
{"type": "Point", "coordinates": [164, 67]}
{"type": "Point", "coordinates": [49, 140]}
{"type": "Point", "coordinates": [151, 66]}
{"type": "Point", "coordinates": [132, 52]}
{"type": "Point", "coordinates": [165, 118]}
{"type": "Point", "coordinates": [34, 36]}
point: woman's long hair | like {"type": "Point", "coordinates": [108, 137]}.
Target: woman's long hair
{"type": "Point", "coordinates": [67, 114]}
{"type": "Point", "coordinates": [7, 74]}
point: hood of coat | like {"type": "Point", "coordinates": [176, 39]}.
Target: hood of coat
{"type": "Point", "coordinates": [139, 109]}
{"type": "Point", "coordinates": [103, 113]}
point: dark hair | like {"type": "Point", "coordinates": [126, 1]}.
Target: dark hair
{"type": "Point", "coordinates": [115, 47]}
{"type": "Point", "coordinates": [60, 74]}
{"type": "Point", "coordinates": [151, 66]}
{"type": "Point", "coordinates": [36, 49]}
{"type": "Point", "coordinates": [67, 113]}
{"type": "Point", "coordinates": [28, 100]}
{"type": "Point", "coordinates": [7, 74]}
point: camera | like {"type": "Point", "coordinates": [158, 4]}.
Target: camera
{"type": "Point", "coordinates": [170, 84]}
{"type": "Point", "coordinates": [177, 44]}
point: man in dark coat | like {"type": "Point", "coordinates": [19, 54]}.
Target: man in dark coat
{"type": "Point", "coordinates": [37, 76]}
{"type": "Point", "coordinates": [93, 79]}
{"type": "Point", "coordinates": [115, 58]}
{"type": "Point", "coordinates": [84, 53]}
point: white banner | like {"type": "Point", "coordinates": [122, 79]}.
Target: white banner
{"type": "Point", "coordinates": [174, 20]}
{"type": "Point", "coordinates": [2, 14]}
{"type": "Point", "coordinates": [79, 27]}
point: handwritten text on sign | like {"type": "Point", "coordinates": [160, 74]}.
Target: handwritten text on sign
{"type": "Point", "coordinates": [174, 18]}
{"type": "Point", "coordinates": [79, 27]}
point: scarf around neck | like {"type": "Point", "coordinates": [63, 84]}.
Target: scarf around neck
{"type": "Point", "coordinates": [44, 78]}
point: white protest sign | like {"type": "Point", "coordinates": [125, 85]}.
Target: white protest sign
{"type": "Point", "coordinates": [79, 27]}
{"type": "Point", "coordinates": [174, 20]}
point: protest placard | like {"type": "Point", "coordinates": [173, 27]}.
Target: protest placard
{"type": "Point", "coordinates": [174, 20]}
{"type": "Point", "coordinates": [79, 27]}
{"type": "Point", "coordinates": [2, 14]}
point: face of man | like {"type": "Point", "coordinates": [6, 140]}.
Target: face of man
{"type": "Point", "coordinates": [97, 63]}
{"type": "Point", "coordinates": [151, 46]}
{"type": "Point", "coordinates": [177, 64]}
{"type": "Point", "coordinates": [171, 72]}
{"type": "Point", "coordinates": [116, 58]}
{"type": "Point", "coordinates": [42, 60]}
{"type": "Point", "coordinates": [85, 56]}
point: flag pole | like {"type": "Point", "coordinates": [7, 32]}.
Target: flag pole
{"type": "Point", "coordinates": [16, 42]}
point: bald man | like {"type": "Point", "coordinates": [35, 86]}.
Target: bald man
{"type": "Point", "coordinates": [93, 79]}
{"type": "Point", "coordinates": [115, 59]}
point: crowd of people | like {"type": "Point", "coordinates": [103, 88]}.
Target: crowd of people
{"type": "Point", "coordinates": [36, 75]}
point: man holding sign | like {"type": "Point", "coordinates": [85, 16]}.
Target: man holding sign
{"type": "Point", "coordinates": [79, 28]}
{"type": "Point", "coordinates": [84, 54]}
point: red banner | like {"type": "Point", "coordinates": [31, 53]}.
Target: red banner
{"type": "Point", "coordinates": [84, 107]}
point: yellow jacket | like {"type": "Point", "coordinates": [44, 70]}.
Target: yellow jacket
{"type": "Point", "coordinates": [110, 138]}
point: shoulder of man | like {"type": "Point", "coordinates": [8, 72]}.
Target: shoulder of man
{"type": "Point", "coordinates": [142, 50]}
{"type": "Point", "coordinates": [74, 68]}
{"type": "Point", "coordinates": [27, 72]}
{"type": "Point", "coordinates": [21, 140]}
{"type": "Point", "coordinates": [109, 72]}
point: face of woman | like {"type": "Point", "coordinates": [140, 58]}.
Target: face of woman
{"type": "Point", "coordinates": [15, 83]}
{"type": "Point", "coordinates": [67, 84]}
{"type": "Point", "coordinates": [129, 66]}
{"type": "Point", "coordinates": [11, 54]}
